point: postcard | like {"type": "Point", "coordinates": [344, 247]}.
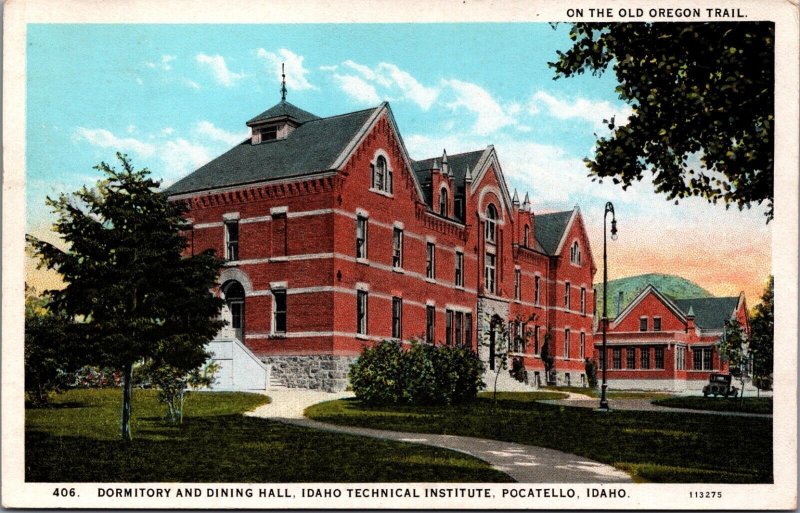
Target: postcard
{"type": "Point", "coordinates": [413, 255]}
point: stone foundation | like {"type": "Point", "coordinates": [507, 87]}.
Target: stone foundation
{"type": "Point", "coordinates": [318, 372]}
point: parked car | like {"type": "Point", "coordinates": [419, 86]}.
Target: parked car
{"type": "Point", "coordinates": [720, 384]}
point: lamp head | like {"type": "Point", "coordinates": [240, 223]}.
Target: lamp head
{"type": "Point", "coordinates": [614, 229]}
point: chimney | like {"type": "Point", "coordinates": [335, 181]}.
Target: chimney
{"type": "Point", "coordinates": [690, 326]}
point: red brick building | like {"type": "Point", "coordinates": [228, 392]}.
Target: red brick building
{"type": "Point", "coordinates": [660, 343]}
{"type": "Point", "coordinates": [335, 238]}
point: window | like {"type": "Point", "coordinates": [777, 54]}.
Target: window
{"type": "Point", "coordinates": [536, 289]}
{"type": "Point", "coordinates": [525, 234]}
{"type": "Point", "coordinates": [361, 312]}
{"type": "Point", "coordinates": [232, 240]}
{"type": "Point", "coordinates": [583, 345]}
{"type": "Point", "coordinates": [430, 320]}
{"type": "Point", "coordinates": [659, 358]}
{"type": "Point", "coordinates": [458, 207]}
{"type": "Point", "coordinates": [644, 357]}
{"type": "Point", "coordinates": [430, 260]}
{"type": "Point", "coordinates": [361, 237]}
{"type": "Point", "coordinates": [443, 202]}
{"type": "Point", "coordinates": [536, 340]}
{"type": "Point", "coordinates": [459, 328]}
{"type": "Point", "coordinates": [680, 358]}
{"type": "Point", "coordinates": [643, 324]}
{"type": "Point", "coordinates": [491, 224]}
{"type": "Point", "coordinates": [397, 249]}
{"type": "Point", "coordinates": [279, 312]}
{"type": "Point", "coordinates": [468, 330]}
{"type": "Point", "coordinates": [630, 357]}
{"type": "Point", "coordinates": [517, 279]}
{"type": "Point", "coordinates": [490, 272]}
{"type": "Point", "coordinates": [575, 253]}
{"type": "Point", "coordinates": [459, 269]}
{"type": "Point", "coordinates": [702, 358]}
{"type": "Point", "coordinates": [656, 323]}
{"type": "Point", "coordinates": [397, 317]}
{"type": "Point", "coordinates": [269, 133]}
{"type": "Point", "coordinates": [616, 358]}
{"type": "Point", "coordinates": [566, 343]}
{"type": "Point", "coordinates": [448, 327]}
{"type": "Point", "coordinates": [382, 175]}
{"type": "Point", "coordinates": [567, 301]}
{"type": "Point", "coordinates": [583, 300]}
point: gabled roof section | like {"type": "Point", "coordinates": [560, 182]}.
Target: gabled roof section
{"type": "Point", "coordinates": [458, 166]}
{"type": "Point", "coordinates": [549, 229]}
{"type": "Point", "coordinates": [313, 147]}
{"type": "Point", "coordinates": [281, 110]}
{"type": "Point", "coordinates": [710, 313]}
{"type": "Point", "coordinates": [669, 303]}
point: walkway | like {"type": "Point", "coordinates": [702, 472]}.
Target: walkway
{"type": "Point", "coordinates": [584, 401]}
{"type": "Point", "coordinates": [524, 463]}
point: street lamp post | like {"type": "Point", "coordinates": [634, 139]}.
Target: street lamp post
{"type": "Point", "coordinates": [609, 208]}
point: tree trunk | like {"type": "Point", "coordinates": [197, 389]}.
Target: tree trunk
{"type": "Point", "coordinates": [127, 389]}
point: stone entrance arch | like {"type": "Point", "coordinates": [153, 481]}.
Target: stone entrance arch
{"type": "Point", "coordinates": [233, 311]}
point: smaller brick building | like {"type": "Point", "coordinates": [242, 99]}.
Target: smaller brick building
{"type": "Point", "coordinates": [661, 343]}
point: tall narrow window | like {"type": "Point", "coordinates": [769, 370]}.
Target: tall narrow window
{"type": "Point", "coordinates": [430, 260]}
{"type": "Point", "coordinates": [361, 237]}
{"type": "Point", "coordinates": [459, 276]}
{"type": "Point", "coordinates": [575, 253]}
{"type": "Point", "coordinates": [430, 323]}
{"type": "Point", "coordinates": [517, 285]}
{"type": "Point", "coordinates": [567, 288]}
{"type": "Point", "coordinates": [458, 207]}
{"type": "Point", "coordinates": [443, 202]}
{"type": "Point", "coordinates": [397, 249]}
{"type": "Point", "coordinates": [643, 324]}
{"type": "Point", "coordinates": [536, 339]}
{"type": "Point", "coordinates": [583, 300]}
{"type": "Point", "coordinates": [489, 274]}
{"type": "Point", "coordinates": [583, 345]}
{"type": "Point", "coordinates": [279, 313]}
{"type": "Point", "coordinates": [630, 357]}
{"type": "Point", "coordinates": [491, 224]}
{"type": "Point", "coordinates": [459, 328]}
{"type": "Point", "coordinates": [397, 317]}
{"type": "Point", "coordinates": [379, 173]}
{"type": "Point", "coordinates": [537, 284]}
{"type": "Point", "coordinates": [659, 357]}
{"type": "Point", "coordinates": [525, 235]}
{"type": "Point", "coordinates": [232, 240]}
{"type": "Point", "coordinates": [387, 185]}
{"type": "Point", "coordinates": [566, 343]}
{"type": "Point", "coordinates": [448, 327]}
{"type": "Point", "coordinates": [361, 312]}
{"type": "Point", "coordinates": [656, 323]}
{"type": "Point", "coordinates": [616, 358]}
{"type": "Point", "coordinates": [644, 357]}
{"type": "Point", "coordinates": [707, 359]}
{"type": "Point", "coordinates": [468, 330]}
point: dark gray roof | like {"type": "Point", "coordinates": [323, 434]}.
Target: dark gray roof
{"type": "Point", "coordinates": [311, 148]}
{"type": "Point", "coordinates": [709, 312]}
{"type": "Point", "coordinates": [458, 166]}
{"type": "Point", "coordinates": [549, 228]}
{"type": "Point", "coordinates": [282, 109]}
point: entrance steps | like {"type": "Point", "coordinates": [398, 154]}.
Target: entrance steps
{"type": "Point", "coordinates": [505, 383]}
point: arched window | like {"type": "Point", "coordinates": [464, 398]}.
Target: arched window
{"type": "Point", "coordinates": [491, 223]}
{"type": "Point", "coordinates": [381, 175]}
{"type": "Point", "coordinates": [525, 235]}
{"type": "Point", "coordinates": [575, 253]}
{"type": "Point", "coordinates": [233, 293]}
{"type": "Point", "coordinates": [443, 202]}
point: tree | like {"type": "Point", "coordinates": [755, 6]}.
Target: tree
{"type": "Point", "coordinates": [174, 382]}
{"type": "Point", "coordinates": [52, 351]}
{"type": "Point", "coordinates": [125, 275]}
{"type": "Point", "coordinates": [733, 348]}
{"type": "Point", "coordinates": [498, 339]}
{"type": "Point", "coordinates": [762, 328]}
{"type": "Point", "coordinates": [548, 359]}
{"type": "Point", "coordinates": [697, 90]}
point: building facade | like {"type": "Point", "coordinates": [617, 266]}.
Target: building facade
{"type": "Point", "coordinates": [660, 343]}
{"type": "Point", "coordinates": [335, 239]}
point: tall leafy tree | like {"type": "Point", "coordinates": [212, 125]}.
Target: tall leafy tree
{"type": "Point", "coordinates": [762, 333]}
{"type": "Point", "coordinates": [697, 90]}
{"type": "Point", "coordinates": [126, 277]}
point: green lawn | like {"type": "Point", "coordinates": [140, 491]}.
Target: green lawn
{"type": "Point", "coordinates": [749, 405]}
{"type": "Point", "coordinates": [612, 394]}
{"type": "Point", "coordinates": [78, 440]}
{"type": "Point", "coordinates": [524, 396]}
{"type": "Point", "coordinates": [651, 446]}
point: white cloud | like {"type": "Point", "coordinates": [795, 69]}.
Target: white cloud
{"type": "Point", "coordinates": [219, 69]}
{"type": "Point", "coordinates": [164, 63]}
{"type": "Point", "coordinates": [131, 129]}
{"type": "Point", "coordinates": [167, 130]}
{"type": "Point", "coordinates": [191, 83]}
{"type": "Point", "coordinates": [295, 71]}
{"type": "Point", "coordinates": [385, 81]}
{"type": "Point", "coordinates": [329, 68]}
{"type": "Point", "coordinates": [582, 108]}
{"type": "Point", "coordinates": [357, 89]}
{"type": "Point", "coordinates": [181, 157]}
{"type": "Point", "coordinates": [208, 130]}
{"type": "Point", "coordinates": [491, 116]}
{"type": "Point", "coordinates": [105, 139]}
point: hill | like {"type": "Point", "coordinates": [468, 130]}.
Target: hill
{"type": "Point", "coordinates": [669, 284]}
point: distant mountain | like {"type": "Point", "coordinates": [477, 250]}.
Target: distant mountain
{"type": "Point", "coordinates": [669, 284]}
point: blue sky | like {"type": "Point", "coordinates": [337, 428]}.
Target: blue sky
{"type": "Point", "coordinates": [175, 96]}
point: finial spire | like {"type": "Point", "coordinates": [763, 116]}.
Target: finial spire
{"type": "Point", "coordinates": [283, 81]}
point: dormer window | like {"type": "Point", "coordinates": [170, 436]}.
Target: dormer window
{"type": "Point", "coordinates": [525, 235]}
{"type": "Point", "coordinates": [575, 253]}
{"type": "Point", "coordinates": [269, 133]}
{"type": "Point", "coordinates": [491, 224]}
{"type": "Point", "coordinates": [381, 176]}
{"type": "Point", "coordinates": [443, 202]}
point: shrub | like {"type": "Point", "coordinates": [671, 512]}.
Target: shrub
{"type": "Point", "coordinates": [591, 372]}
{"type": "Point", "coordinates": [517, 370]}
{"type": "Point", "coordinates": [423, 374]}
